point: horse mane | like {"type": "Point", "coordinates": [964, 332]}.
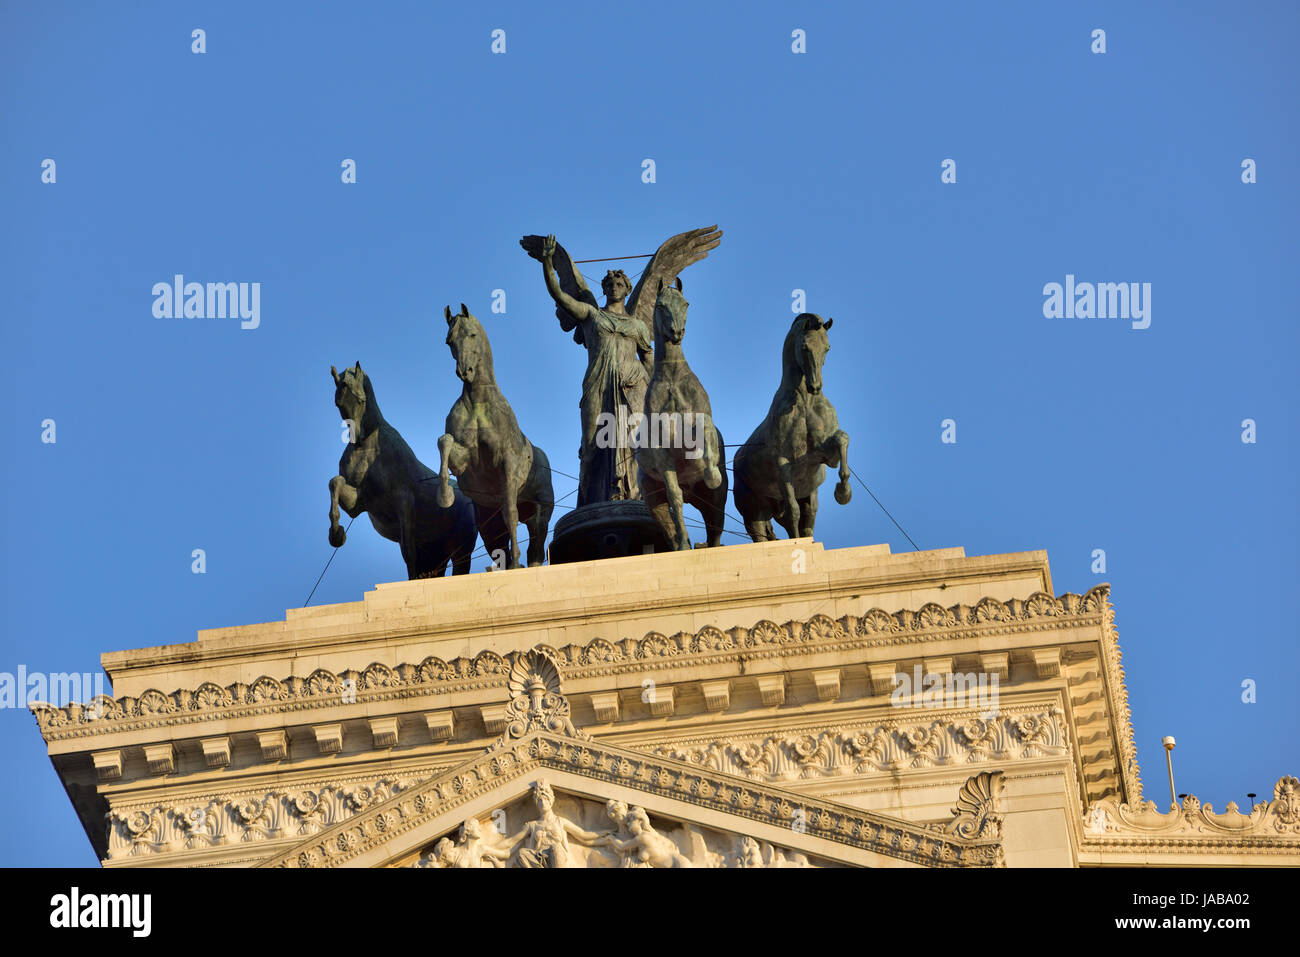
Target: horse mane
{"type": "Point", "coordinates": [373, 417]}
{"type": "Point", "coordinates": [790, 348]}
{"type": "Point", "coordinates": [789, 357]}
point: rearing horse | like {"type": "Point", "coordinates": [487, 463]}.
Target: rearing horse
{"type": "Point", "coordinates": [681, 459]}
{"type": "Point", "coordinates": [507, 477]}
{"type": "Point", "coordinates": [778, 471]}
{"type": "Point", "coordinates": [380, 475]}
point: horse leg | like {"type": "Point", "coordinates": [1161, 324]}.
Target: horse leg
{"type": "Point", "coordinates": [429, 555]}
{"type": "Point", "coordinates": [790, 519]}
{"type": "Point", "coordinates": [431, 561]}
{"type": "Point", "coordinates": [543, 493]}
{"type": "Point", "coordinates": [496, 539]}
{"type": "Point", "coordinates": [785, 521]}
{"type": "Point", "coordinates": [836, 449]}
{"type": "Point", "coordinates": [656, 499]}
{"type": "Point", "coordinates": [460, 533]}
{"type": "Point", "coordinates": [712, 504]}
{"type": "Point", "coordinates": [719, 510]}
{"type": "Point", "coordinates": [461, 551]}
{"type": "Point", "coordinates": [759, 529]}
{"type": "Point", "coordinates": [681, 538]}
{"type": "Point", "coordinates": [341, 493]}
{"type": "Point", "coordinates": [715, 507]}
{"type": "Point", "coordinates": [539, 523]}
{"type": "Point", "coordinates": [510, 509]}
{"type": "Point", "coordinates": [715, 476]}
{"type": "Point", "coordinates": [454, 457]}
{"type": "Point", "coordinates": [415, 567]}
{"type": "Point", "coordinates": [808, 516]}
{"type": "Point", "coordinates": [747, 504]}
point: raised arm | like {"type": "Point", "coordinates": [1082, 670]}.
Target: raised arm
{"type": "Point", "coordinates": [585, 837]}
{"type": "Point", "coordinates": [576, 308]}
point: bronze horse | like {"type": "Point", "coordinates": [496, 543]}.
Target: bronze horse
{"type": "Point", "coordinates": [380, 475]}
{"type": "Point", "coordinates": [681, 457]}
{"type": "Point", "coordinates": [507, 477]}
{"type": "Point", "coordinates": [778, 471]}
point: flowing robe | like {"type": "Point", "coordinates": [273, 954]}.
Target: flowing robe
{"type": "Point", "coordinates": [619, 363]}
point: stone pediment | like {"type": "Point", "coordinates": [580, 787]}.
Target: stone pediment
{"type": "Point", "coordinates": [541, 751]}
{"type": "Point", "coordinates": [401, 829]}
{"type": "Point", "coordinates": [555, 828]}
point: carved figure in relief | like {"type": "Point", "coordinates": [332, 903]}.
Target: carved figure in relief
{"type": "Point", "coordinates": [471, 850]}
{"type": "Point", "coordinates": [748, 854]}
{"type": "Point", "coordinates": [647, 847]}
{"type": "Point", "coordinates": [545, 841]}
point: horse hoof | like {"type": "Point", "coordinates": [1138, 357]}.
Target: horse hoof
{"type": "Point", "coordinates": [338, 536]}
{"type": "Point", "coordinates": [843, 493]}
{"type": "Point", "coordinates": [446, 497]}
{"type": "Point", "coordinates": [714, 478]}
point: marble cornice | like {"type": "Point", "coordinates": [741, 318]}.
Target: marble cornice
{"type": "Point", "coordinates": [303, 630]}
{"type": "Point", "coordinates": [907, 631]}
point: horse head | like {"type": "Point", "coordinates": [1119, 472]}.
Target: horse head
{"type": "Point", "coordinates": [469, 345]}
{"type": "Point", "coordinates": [670, 314]}
{"type": "Point", "coordinates": [354, 397]}
{"type": "Point", "coordinates": [805, 349]}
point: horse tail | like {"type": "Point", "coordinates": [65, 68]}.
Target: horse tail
{"type": "Point", "coordinates": [541, 486]}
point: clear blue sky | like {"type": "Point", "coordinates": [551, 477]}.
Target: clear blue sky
{"type": "Point", "coordinates": [824, 171]}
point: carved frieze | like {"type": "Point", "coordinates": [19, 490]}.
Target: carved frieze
{"type": "Point", "coordinates": [886, 746]}
{"type": "Point", "coordinates": [244, 817]}
{"type": "Point", "coordinates": [433, 676]}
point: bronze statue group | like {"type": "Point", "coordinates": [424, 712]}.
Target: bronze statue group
{"type": "Point", "coordinates": [634, 362]}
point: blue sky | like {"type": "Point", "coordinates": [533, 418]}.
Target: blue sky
{"type": "Point", "coordinates": [824, 171]}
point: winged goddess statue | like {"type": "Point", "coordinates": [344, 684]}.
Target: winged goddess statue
{"type": "Point", "coordinates": [620, 351]}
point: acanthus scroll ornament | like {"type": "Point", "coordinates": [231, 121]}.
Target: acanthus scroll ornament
{"type": "Point", "coordinates": [536, 703]}
{"type": "Point", "coordinates": [976, 813]}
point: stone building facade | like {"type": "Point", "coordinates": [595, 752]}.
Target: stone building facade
{"type": "Point", "coordinates": [759, 705]}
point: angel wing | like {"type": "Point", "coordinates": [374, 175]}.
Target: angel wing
{"type": "Point", "coordinates": [669, 259]}
{"type": "Point", "coordinates": [571, 280]}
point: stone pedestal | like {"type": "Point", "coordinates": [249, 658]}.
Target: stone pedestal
{"type": "Point", "coordinates": [606, 530]}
